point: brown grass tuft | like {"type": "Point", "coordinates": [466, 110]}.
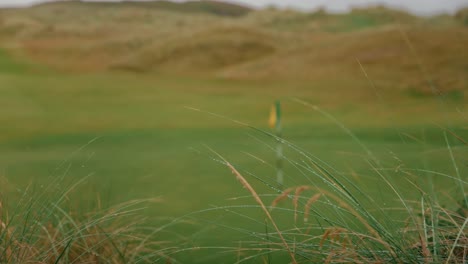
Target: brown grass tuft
{"type": "Point", "coordinates": [109, 237]}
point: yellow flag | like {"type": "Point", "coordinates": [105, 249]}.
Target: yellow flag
{"type": "Point", "coordinates": [272, 120]}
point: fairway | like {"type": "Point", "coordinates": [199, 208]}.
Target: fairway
{"type": "Point", "coordinates": [145, 131]}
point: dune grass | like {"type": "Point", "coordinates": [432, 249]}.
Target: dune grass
{"type": "Point", "coordinates": [44, 226]}
{"type": "Point", "coordinates": [337, 219]}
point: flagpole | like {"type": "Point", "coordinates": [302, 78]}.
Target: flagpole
{"type": "Point", "coordinates": [279, 144]}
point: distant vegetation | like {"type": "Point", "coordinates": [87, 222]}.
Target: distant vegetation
{"type": "Point", "coordinates": [209, 7]}
{"type": "Point", "coordinates": [220, 39]}
{"type": "Point", "coordinates": [462, 16]}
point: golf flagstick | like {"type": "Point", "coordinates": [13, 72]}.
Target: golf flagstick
{"type": "Point", "coordinates": [275, 123]}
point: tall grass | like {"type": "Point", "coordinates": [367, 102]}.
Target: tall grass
{"type": "Point", "coordinates": [42, 227]}
{"type": "Point", "coordinates": [332, 218]}
{"type": "Point", "coordinates": [323, 216]}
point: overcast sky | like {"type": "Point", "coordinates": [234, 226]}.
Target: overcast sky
{"type": "Point", "coordinates": [416, 6]}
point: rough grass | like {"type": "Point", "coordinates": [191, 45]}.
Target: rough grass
{"type": "Point", "coordinates": [43, 227]}
{"type": "Point", "coordinates": [338, 220]}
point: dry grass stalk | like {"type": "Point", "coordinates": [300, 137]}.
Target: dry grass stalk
{"type": "Point", "coordinates": [257, 198]}
{"type": "Point", "coordinates": [425, 250]}
{"type": "Point", "coordinates": [5, 234]}
{"type": "Point", "coordinates": [299, 190]}
{"type": "Point", "coordinates": [281, 197]}
{"type": "Point", "coordinates": [309, 203]}
{"type": "Point", "coordinates": [331, 232]}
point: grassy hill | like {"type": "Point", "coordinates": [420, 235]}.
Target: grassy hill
{"type": "Point", "coordinates": [217, 39]}
{"type": "Point", "coordinates": [212, 49]}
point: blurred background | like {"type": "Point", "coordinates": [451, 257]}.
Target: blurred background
{"type": "Point", "coordinates": [132, 95]}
